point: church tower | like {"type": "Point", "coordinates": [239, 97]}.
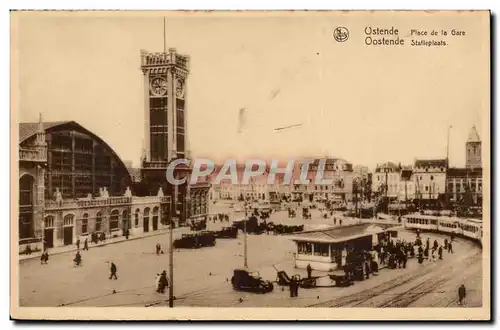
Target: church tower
{"type": "Point", "coordinates": [473, 149]}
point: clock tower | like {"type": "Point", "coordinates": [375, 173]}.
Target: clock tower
{"type": "Point", "coordinates": [165, 77]}
{"type": "Point", "coordinates": [165, 125]}
{"type": "Point", "coordinates": [165, 138]}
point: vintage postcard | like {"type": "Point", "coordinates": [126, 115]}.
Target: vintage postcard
{"type": "Point", "coordinates": [251, 165]}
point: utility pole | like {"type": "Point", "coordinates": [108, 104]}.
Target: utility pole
{"type": "Point", "coordinates": [448, 144]}
{"type": "Point", "coordinates": [245, 259]}
{"type": "Point", "coordinates": [386, 189]}
{"type": "Point", "coordinates": [171, 249]}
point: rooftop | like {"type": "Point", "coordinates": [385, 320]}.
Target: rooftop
{"type": "Point", "coordinates": [341, 234]}
{"type": "Point", "coordinates": [26, 130]}
{"type": "Point", "coordinates": [431, 163]}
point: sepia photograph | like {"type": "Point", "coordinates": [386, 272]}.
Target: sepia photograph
{"type": "Point", "coordinates": [250, 165]}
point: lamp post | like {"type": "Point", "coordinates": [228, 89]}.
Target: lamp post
{"type": "Point", "coordinates": [245, 257]}
{"type": "Point", "coordinates": [171, 249]}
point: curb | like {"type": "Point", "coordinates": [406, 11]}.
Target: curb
{"type": "Point", "coordinates": [38, 254]}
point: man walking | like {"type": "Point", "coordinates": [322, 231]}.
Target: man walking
{"type": "Point", "coordinates": [461, 295]}
{"type": "Point", "coordinates": [85, 245]}
{"type": "Point", "coordinates": [309, 270]}
{"type": "Point", "coordinates": [113, 271]}
{"type": "Point", "coordinates": [78, 244]}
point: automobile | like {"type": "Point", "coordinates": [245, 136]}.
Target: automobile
{"type": "Point", "coordinates": [206, 238]}
{"type": "Point", "coordinates": [245, 280]}
{"type": "Point", "coordinates": [227, 232]}
{"type": "Point", "coordinates": [187, 241]}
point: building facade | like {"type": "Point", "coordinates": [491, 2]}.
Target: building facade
{"type": "Point", "coordinates": [71, 184]}
{"type": "Point", "coordinates": [340, 174]}
{"type": "Point", "coordinates": [430, 178]}
{"type": "Point", "coordinates": [386, 179]}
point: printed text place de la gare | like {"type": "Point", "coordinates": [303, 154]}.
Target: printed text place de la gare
{"type": "Point", "coordinates": [383, 37]}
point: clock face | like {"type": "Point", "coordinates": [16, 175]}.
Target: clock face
{"type": "Point", "coordinates": [158, 86]}
{"type": "Point", "coordinates": [179, 88]}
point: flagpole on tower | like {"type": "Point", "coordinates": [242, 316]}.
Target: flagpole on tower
{"type": "Point", "coordinates": [164, 36]}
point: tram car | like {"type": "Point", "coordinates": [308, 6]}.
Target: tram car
{"type": "Point", "coordinates": [470, 228]}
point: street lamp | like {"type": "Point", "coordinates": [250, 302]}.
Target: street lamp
{"type": "Point", "coordinates": [245, 257]}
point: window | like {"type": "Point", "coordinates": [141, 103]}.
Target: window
{"type": "Point", "coordinates": [68, 220]}
{"type": "Point", "coordinates": [307, 248]}
{"type": "Point", "coordinates": [98, 221]}
{"type": "Point", "coordinates": [49, 221]}
{"type": "Point", "coordinates": [136, 222]}
{"type": "Point", "coordinates": [113, 220]}
{"type": "Point", "coordinates": [85, 222]}
{"type": "Point", "coordinates": [321, 249]}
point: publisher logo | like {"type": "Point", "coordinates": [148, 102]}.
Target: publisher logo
{"type": "Point", "coordinates": [341, 34]}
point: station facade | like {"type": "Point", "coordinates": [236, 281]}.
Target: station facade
{"type": "Point", "coordinates": [73, 184]}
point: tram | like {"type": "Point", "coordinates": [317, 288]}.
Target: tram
{"type": "Point", "coordinates": [470, 228]}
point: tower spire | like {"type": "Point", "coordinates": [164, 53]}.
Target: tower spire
{"type": "Point", "coordinates": [40, 122]}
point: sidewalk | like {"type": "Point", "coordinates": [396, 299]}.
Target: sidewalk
{"type": "Point", "coordinates": [72, 247]}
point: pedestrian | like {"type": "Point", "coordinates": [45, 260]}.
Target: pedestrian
{"type": "Point", "coordinates": [461, 295]}
{"type": "Point", "coordinates": [78, 244]}
{"type": "Point", "coordinates": [46, 258]}
{"type": "Point", "coordinates": [440, 252]}
{"type": "Point", "coordinates": [420, 258]}
{"type": "Point", "coordinates": [85, 245]}
{"type": "Point", "coordinates": [42, 258]}
{"type": "Point", "coordinates": [157, 283]}
{"type": "Point", "coordinates": [78, 258]}
{"type": "Point", "coordinates": [340, 222]}
{"type": "Point", "coordinates": [163, 282]}
{"type": "Point", "coordinates": [446, 244]}
{"type": "Point", "coordinates": [113, 271]}
{"type": "Point", "coordinates": [292, 287]}
{"type": "Point", "coordinates": [127, 233]}
{"type": "Point", "coordinates": [309, 270]}
{"type": "Point", "coordinates": [334, 221]}
{"type": "Point", "coordinates": [450, 248]}
{"type": "Point", "coordinates": [158, 249]}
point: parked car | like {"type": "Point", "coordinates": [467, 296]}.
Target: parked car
{"type": "Point", "coordinates": [244, 280]}
{"type": "Point", "coordinates": [227, 232]}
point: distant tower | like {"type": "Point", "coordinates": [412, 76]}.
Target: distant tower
{"type": "Point", "coordinates": [473, 149]}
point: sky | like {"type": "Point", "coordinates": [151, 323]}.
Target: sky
{"type": "Point", "coordinates": [364, 104]}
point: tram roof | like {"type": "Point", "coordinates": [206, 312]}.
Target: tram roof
{"type": "Point", "coordinates": [341, 234]}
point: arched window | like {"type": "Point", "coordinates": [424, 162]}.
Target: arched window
{"type": "Point", "coordinates": [85, 223]}
{"type": "Point", "coordinates": [98, 221]}
{"type": "Point", "coordinates": [136, 222]}
{"type": "Point", "coordinates": [69, 220]}
{"type": "Point", "coordinates": [49, 221]}
{"type": "Point", "coordinates": [113, 219]}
